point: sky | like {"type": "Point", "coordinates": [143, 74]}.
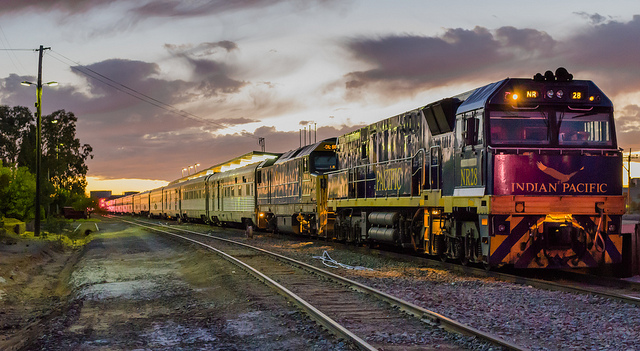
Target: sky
{"type": "Point", "coordinates": [158, 86]}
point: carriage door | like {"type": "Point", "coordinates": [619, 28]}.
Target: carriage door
{"type": "Point", "coordinates": [219, 196]}
{"type": "Point", "coordinates": [435, 153]}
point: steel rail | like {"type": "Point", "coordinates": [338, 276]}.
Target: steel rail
{"type": "Point", "coordinates": [313, 312]}
{"type": "Point", "coordinates": [543, 284]}
{"type": "Point", "coordinates": [425, 315]}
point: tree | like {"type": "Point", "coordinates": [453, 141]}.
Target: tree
{"type": "Point", "coordinates": [63, 156]}
{"type": "Point", "coordinates": [63, 168]}
{"type": "Point", "coordinates": [17, 189]}
{"type": "Point", "coordinates": [15, 123]}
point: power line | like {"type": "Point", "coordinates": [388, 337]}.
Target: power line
{"type": "Point", "coordinates": [10, 53]}
{"type": "Point", "coordinates": [139, 95]}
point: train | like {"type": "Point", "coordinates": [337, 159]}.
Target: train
{"type": "Point", "coordinates": [522, 172]}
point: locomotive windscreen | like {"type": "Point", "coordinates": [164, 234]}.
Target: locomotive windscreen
{"type": "Point", "coordinates": [551, 128]}
{"type": "Point", "coordinates": [323, 162]}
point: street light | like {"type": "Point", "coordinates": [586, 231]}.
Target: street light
{"type": "Point", "coordinates": [36, 230]}
{"type": "Point", "coordinates": [188, 169]}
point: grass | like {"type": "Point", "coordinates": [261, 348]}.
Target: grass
{"type": "Point", "coordinates": [55, 229]}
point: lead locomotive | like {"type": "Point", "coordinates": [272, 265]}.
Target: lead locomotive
{"type": "Point", "coordinates": [522, 171]}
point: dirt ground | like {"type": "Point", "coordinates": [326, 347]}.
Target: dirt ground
{"type": "Point", "coordinates": [132, 290]}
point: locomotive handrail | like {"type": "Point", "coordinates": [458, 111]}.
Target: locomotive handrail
{"type": "Point", "coordinates": [368, 165]}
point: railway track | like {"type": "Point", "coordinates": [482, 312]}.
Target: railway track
{"type": "Point", "coordinates": [608, 287]}
{"type": "Point", "coordinates": [353, 311]}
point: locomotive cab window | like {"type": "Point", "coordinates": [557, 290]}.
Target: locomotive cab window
{"type": "Point", "coordinates": [323, 162]}
{"type": "Point", "coordinates": [550, 128]}
{"type": "Point", "coordinates": [585, 129]}
{"type": "Point", "coordinates": [469, 127]}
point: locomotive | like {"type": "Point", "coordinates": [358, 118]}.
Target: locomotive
{"type": "Point", "coordinates": [520, 172]}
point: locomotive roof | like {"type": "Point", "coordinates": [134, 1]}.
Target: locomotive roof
{"type": "Point", "coordinates": [305, 150]}
{"type": "Point", "coordinates": [491, 93]}
{"type": "Point", "coordinates": [479, 97]}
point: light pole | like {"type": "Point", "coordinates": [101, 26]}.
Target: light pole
{"type": "Point", "coordinates": [188, 169]}
{"type": "Point", "coordinates": [36, 230]}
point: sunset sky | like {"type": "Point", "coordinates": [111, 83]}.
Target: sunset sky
{"type": "Point", "coordinates": [161, 85]}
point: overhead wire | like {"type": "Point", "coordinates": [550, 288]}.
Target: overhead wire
{"type": "Point", "coordinates": [10, 51]}
{"type": "Point", "coordinates": [137, 94]}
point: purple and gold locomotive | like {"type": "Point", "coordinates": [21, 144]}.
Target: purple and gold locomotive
{"type": "Point", "coordinates": [524, 172]}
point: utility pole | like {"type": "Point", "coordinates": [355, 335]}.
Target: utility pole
{"type": "Point", "coordinates": [36, 230]}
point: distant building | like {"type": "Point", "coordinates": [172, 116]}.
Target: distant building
{"type": "Point", "coordinates": [100, 194]}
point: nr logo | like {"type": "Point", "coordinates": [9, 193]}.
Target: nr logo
{"type": "Point", "coordinates": [468, 176]}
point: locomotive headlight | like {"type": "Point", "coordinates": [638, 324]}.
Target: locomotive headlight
{"type": "Point", "coordinates": [559, 94]}
{"type": "Point", "coordinates": [514, 96]}
{"type": "Point", "coordinates": [550, 94]}
{"type": "Point", "coordinates": [611, 228]}
{"type": "Point", "coordinates": [501, 228]}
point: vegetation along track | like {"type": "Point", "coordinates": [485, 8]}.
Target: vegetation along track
{"type": "Point", "coordinates": [349, 309]}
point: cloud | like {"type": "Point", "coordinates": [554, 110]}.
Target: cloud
{"type": "Point", "coordinates": [628, 126]}
{"type": "Point", "coordinates": [405, 64]}
{"type": "Point", "coordinates": [156, 157]}
{"type": "Point", "coordinates": [401, 65]}
{"type": "Point", "coordinates": [202, 49]}
{"type": "Point", "coordinates": [213, 76]}
{"type": "Point", "coordinates": [65, 6]}
{"type": "Point", "coordinates": [608, 52]}
{"type": "Point", "coordinates": [594, 18]}
{"type": "Point", "coordinates": [153, 8]}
